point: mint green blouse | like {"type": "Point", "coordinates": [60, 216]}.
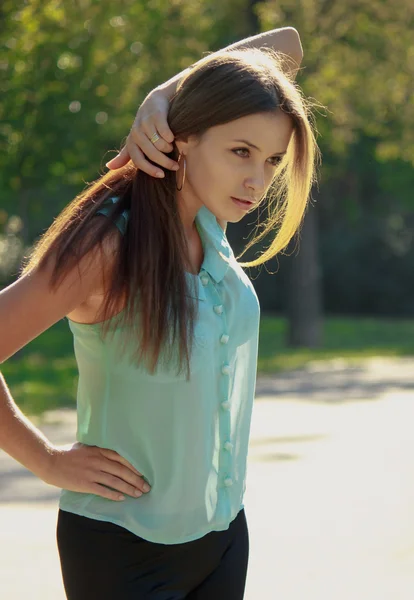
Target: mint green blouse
{"type": "Point", "coordinates": [188, 438]}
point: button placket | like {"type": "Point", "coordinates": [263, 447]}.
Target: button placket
{"type": "Point", "coordinates": [226, 446]}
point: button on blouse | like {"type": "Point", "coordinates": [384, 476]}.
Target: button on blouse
{"type": "Point", "coordinates": [225, 369]}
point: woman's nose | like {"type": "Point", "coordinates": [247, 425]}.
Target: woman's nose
{"type": "Point", "coordinates": [257, 182]}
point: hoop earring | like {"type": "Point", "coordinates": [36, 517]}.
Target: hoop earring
{"type": "Point", "coordinates": [185, 166]}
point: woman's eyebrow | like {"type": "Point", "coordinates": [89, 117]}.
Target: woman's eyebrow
{"type": "Point", "coordinates": [256, 148]}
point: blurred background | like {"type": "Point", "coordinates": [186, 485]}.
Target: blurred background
{"type": "Point", "coordinates": [330, 491]}
{"type": "Point", "coordinates": [73, 75]}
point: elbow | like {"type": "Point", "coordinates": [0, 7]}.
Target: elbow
{"type": "Point", "coordinates": [295, 45]}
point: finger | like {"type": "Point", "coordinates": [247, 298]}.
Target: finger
{"type": "Point", "coordinates": [161, 125]}
{"type": "Point", "coordinates": [113, 455]}
{"type": "Point", "coordinates": [119, 160]}
{"type": "Point", "coordinates": [142, 164]}
{"type": "Point", "coordinates": [148, 127]}
{"type": "Point", "coordinates": [101, 490]}
{"type": "Point", "coordinates": [119, 485]}
{"type": "Point", "coordinates": [119, 471]}
{"type": "Point", "coordinates": [151, 151]}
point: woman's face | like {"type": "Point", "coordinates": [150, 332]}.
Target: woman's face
{"type": "Point", "coordinates": [220, 166]}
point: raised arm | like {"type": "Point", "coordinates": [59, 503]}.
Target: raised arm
{"type": "Point", "coordinates": [285, 40]}
{"type": "Point", "coordinates": [152, 114]}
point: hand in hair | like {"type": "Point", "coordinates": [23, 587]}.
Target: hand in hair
{"type": "Point", "coordinates": [151, 118]}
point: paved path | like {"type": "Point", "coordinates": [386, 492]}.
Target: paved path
{"type": "Point", "coordinates": [329, 500]}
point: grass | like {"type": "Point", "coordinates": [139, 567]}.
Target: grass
{"type": "Point", "coordinates": [43, 375]}
{"type": "Point", "coordinates": [352, 339]}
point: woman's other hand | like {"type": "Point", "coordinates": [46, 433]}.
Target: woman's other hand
{"type": "Point", "coordinates": [151, 118]}
{"type": "Point", "coordinates": [93, 470]}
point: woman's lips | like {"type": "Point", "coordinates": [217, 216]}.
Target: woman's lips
{"type": "Point", "coordinates": [241, 203]}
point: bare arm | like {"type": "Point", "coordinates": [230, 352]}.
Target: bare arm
{"type": "Point", "coordinates": [154, 109]}
{"type": "Point", "coordinates": [285, 40]}
{"type": "Point", "coordinates": [20, 438]}
{"type": "Point", "coordinates": [27, 308]}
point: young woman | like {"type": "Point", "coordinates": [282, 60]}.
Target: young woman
{"type": "Point", "coordinates": [165, 325]}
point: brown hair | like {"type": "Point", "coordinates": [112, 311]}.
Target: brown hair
{"type": "Point", "coordinates": [149, 269]}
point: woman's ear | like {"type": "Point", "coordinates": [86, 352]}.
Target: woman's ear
{"type": "Point", "coordinates": [182, 146]}
{"type": "Point", "coordinates": [185, 144]}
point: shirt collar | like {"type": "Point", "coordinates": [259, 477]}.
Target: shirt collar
{"type": "Point", "coordinates": [217, 252]}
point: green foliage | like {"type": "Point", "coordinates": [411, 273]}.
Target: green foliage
{"type": "Point", "coordinates": [75, 73]}
{"type": "Point", "coordinates": [359, 63]}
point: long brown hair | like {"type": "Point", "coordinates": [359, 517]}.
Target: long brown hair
{"type": "Point", "coordinates": [149, 269]}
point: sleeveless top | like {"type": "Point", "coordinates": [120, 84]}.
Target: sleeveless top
{"type": "Point", "coordinates": [189, 439]}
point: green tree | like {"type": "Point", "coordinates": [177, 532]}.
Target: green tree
{"type": "Point", "coordinates": [75, 74]}
{"type": "Point", "coordinates": [359, 63]}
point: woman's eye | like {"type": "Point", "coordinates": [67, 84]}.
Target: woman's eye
{"type": "Point", "coordinates": [241, 149]}
{"type": "Point", "coordinates": [274, 161]}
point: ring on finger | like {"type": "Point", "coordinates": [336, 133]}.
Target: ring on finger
{"type": "Point", "coordinates": [155, 138]}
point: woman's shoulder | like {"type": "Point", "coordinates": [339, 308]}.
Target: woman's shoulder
{"type": "Point", "coordinates": [108, 207]}
{"type": "Point", "coordinates": [97, 267]}
{"type": "Point", "coordinates": [105, 253]}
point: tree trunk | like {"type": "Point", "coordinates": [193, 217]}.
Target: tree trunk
{"type": "Point", "coordinates": [304, 310]}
